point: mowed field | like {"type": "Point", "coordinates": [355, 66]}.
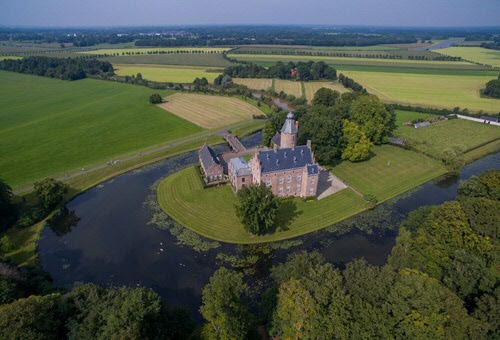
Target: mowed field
{"type": "Point", "coordinates": [164, 73]}
{"type": "Point", "coordinates": [49, 126]}
{"type": "Point", "coordinates": [477, 54]}
{"type": "Point", "coordinates": [212, 60]}
{"type": "Point", "coordinates": [440, 91]}
{"type": "Point", "coordinates": [254, 83]}
{"type": "Point", "coordinates": [313, 86]}
{"type": "Point", "coordinates": [209, 111]}
{"type": "Point", "coordinates": [210, 212]}
{"type": "Point", "coordinates": [460, 133]}
{"type": "Point", "coordinates": [288, 86]}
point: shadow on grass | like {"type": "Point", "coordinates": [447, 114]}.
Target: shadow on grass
{"type": "Point", "coordinates": [287, 212]}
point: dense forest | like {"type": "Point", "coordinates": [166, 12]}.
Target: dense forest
{"type": "Point", "coordinates": [303, 71]}
{"type": "Point", "coordinates": [440, 282]}
{"type": "Point", "coordinates": [62, 68]}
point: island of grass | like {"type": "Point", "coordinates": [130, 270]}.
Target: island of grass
{"type": "Point", "coordinates": [210, 212]}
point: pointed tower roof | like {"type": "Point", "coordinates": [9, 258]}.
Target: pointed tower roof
{"type": "Point", "coordinates": [289, 126]}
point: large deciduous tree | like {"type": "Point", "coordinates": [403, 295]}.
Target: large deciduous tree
{"type": "Point", "coordinates": [357, 144]}
{"type": "Point", "coordinates": [50, 192]}
{"type": "Point", "coordinates": [257, 208]}
{"type": "Point", "coordinates": [370, 114]}
{"type": "Point", "coordinates": [223, 307]}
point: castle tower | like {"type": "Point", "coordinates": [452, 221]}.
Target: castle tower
{"type": "Point", "coordinates": [289, 132]}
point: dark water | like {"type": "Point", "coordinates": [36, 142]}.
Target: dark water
{"type": "Point", "coordinates": [110, 241]}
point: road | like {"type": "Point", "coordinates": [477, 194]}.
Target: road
{"type": "Point", "coordinates": [220, 132]}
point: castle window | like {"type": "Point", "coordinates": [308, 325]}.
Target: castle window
{"type": "Point", "coordinates": [287, 189]}
{"type": "Point", "coordinates": [313, 180]}
{"type": "Point", "coordinates": [268, 182]}
{"type": "Point", "coordinates": [288, 179]}
{"type": "Point", "coordinates": [243, 180]}
{"type": "Point", "coordinates": [280, 190]}
{"type": "Point", "coordinates": [311, 190]}
{"type": "Point", "coordinates": [297, 188]}
{"type": "Point", "coordinates": [299, 177]}
{"type": "Point", "coordinates": [281, 180]}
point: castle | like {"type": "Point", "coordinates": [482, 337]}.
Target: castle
{"type": "Point", "coordinates": [288, 169]}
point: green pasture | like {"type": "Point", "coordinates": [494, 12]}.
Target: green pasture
{"type": "Point", "coordinates": [389, 172]}
{"type": "Point", "coordinates": [12, 57]}
{"type": "Point", "coordinates": [459, 133]}
{"type": "Point", "coordinates": [432, 90]}
{"type": "Point", "coordinates": [163, 73]}
{"type": "Point", "coordinates": [124, 51]}
{"type": "Point", "coordinates": [408, 116]}
{"type": "Point", "coordinates": [476, 54]}
{"type": "Point", "coordinates": [185, 59]}
{"type": "Point", "coordinates": [50, 126]}
{"type": "Point", "coordinates": [210, 212]}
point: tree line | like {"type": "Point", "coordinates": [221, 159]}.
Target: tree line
{"type": "Point", "coordinates": [303, 71]}
{"type": "Point", "coordinates": [493, 88]}
{"type": "Point", "coordinates": [61, 68]}
{"type": "Point", "coordinates": [440, 282]}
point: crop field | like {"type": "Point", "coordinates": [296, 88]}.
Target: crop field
{"type": "Point", "coordinates": [254, 83]}
{"type": "Point", "coordinates": [288, 86]}
{"type": "Point", "coordinates": [476, 54]}
{"type": "Point", "coordinates": [313, 86]}
{"type": "Point", "coordinates": [185, 59]}
{"type": "Point", "coordinates": [165, 73]}
{"type": "Point", "coordinates": [433, 90]}
{"type": "Point", "coordinates": [146, 50]}
{"type": "Point", "coordinates": [50, 126]}
{"type": "Point", "coordinates": [390, 172]}
{"type": "Point", "coordinates": [10, 57]}
{"type": "Point", "coordinates": [460, 133]}
{"type": "Point", "coordinates": [209, 111]}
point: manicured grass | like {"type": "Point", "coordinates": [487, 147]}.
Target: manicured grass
{"type": "Point", "coordinates": [390, 172]}
{"type": "Point", "coordinates": [408, 116]}
{"type": "Point", "coordinates": [248, 129]}
{"type": "Point", "coordinates": [210, 212]}
{"type": "Point", "coordinates": [311, 87]}
{"type": "Point", "coordinates": [288, 86]}
{"type": "Point", "coordinates": [146, 50]}
{"type": "Point", "coordinates": [49, 126]}
{"type": "Point", "coordinates": [476, 54]}
{"type": "Point", "coordinates": [24, 242]}
{"type": "Point", "coordinates": [461, 133]}
{"type": "Point", "coordinates": [164, 73]}
{"type": "Point", "coordinates": [441, 91]}
{"type": "Point", "coordinates": [184, 59]}
{"type": "Point", "coordinates": [209, 111]}
{"type": "Point", "coordinates": [253, 83]}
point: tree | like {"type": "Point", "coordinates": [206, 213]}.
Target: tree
{"type": "Point", "coordinates": [50, 192]}
{"type": "Point", "coordinates": [155, 98]}
{"type": "Point", "coordinates": [493, 88]}
{"type": "Point", "coordinates": [226, 81]}
{"type": "Point", "coordinates": [257, 208]}
{"type": "Point", "coordinates": [223, 307]}
{"type": "Point", "coordinates": [8, 212]}
{"type": "Point", "coordinates": [370, 114]}
{"type": "Point", "coordinates": [326, 97]}
{"type": "Point", "coordinates": [357, 145]}
{"type": "Point", "coordinates": [453, 160]}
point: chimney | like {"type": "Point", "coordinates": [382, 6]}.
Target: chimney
{"type": "Point", "coordinates": [309, 143]}
{"type": "Point", "coordinates": [275, 148]}
{"type": "Point", "coordinates": [297, 124]}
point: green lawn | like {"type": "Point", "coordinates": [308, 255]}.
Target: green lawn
{"type": "Point", "coordinates": [408, 116]}
{"type": "Point", "coordinates": [210, 212]}
{"type": "Point", "coordinates": [49, 126]}
{"type": "Point", "coordinates": [24, 243]}
{"type": "Point", "coordinates": [477, 54]}
{"type": "Point", "coordinates": [390, 172]}
{"type": "Point", "coordinates": [461, 133]}
{"type": "Point", "coordinates": [164, 73]}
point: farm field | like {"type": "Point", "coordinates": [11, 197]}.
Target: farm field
{"type": "Point", "coordinates": [210, 211]}
{"type": "Point", "coordinates": [209, 111]}
{"type": "Point", "coordinates": [146, 50]}
{"type": "Point", "coordinates": [288, 86]}
{"type": "Point", "coordinates": [184, 59]}
{"type": "Point", "coordinates": [313, 86]}
{"type": "Point", "coordinates": [460, 133]}
{"type": "Point", "coordinates": [50, 126]}
{"type": "Point", "coordinates": [390, 172]}
{"type": "Point", "coordinates": [10, 57]}
{"type": "Point", "coordinates": [476, 54]}
{"type": "Point", "coordinates": [254, 83]}
{"type": "Point", "coordinates": [163, 73]}
{"type": "Point", "coordinates": [440, 91]}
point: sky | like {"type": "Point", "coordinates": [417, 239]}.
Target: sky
{"type": "Point", "coordinates": [82, 13]}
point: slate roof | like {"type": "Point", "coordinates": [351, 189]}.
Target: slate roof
{"type": "Point", "coordinates": [289, 126]}
{"type": "Point", "coordinates": [240, 167]}
{"type": "Point", "coordinates": [208, 157]}
{"type": "Point", "coordinates": [421, 125]}
{"type": "Point", "coordinates": [284, 159]}
{"type": "Point", "coordinates": [490, 119]}
{"type": "Point", "coordinates": [312, 169]}
{"type": "Point", "coordinates": [276, 139]}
